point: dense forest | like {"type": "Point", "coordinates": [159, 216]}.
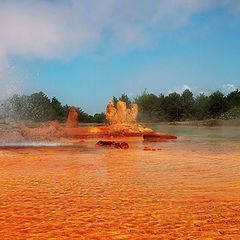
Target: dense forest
{"type": "Point", "coordinates": [172, 107]}
{"type": "Point", "coordinates": [185, 107]}
{"type": "Point", "coordinates": [39, 108]}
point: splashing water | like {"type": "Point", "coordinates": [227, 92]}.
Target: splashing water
{"type": "Point", "coordinates": [34, 144]}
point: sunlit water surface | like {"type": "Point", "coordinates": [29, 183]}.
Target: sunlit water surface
{"type": "Point", "coordinates": [190, 189]}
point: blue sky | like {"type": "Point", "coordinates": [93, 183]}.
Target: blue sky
{"type": "Point", "coordinates": [85, 52]}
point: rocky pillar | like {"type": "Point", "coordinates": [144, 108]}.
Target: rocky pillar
{"type": "Point", "coordinates": [132, 114]}
{"type": "Point", "coordinates": [72, 120]}
{"type": "Point", "coordinates": [121, 112]}
{"type": "Point", "coordinates": [111, 114]}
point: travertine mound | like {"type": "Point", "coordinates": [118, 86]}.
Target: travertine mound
{"type": "Point", "coordinates": [123, 121]}
{"type": "Point", "coordinates": [121, 112]}
{"type": "Point", "coordinates": [126, 130]}
{"type": "Point", "coordinates": [132, 114]}
{"type": "Point", "coordinates": [121, 115]}
{"type": "Point", "coordinates": [111, 113]}
{"type": "Point", "coordinates": [72, 120]}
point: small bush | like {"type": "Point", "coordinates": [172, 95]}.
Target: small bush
{"type": "Point", "coordinates": [233, 113]}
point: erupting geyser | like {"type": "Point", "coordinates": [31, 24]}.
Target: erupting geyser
{"type": "Point", "coordinates": [121, 123]}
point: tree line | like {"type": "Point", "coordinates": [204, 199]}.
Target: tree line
{"type": "Point", "coordinates": [38, 107]}
{"type": "Point", "coordinates": [185, 107]}
{"type": "Point", "coordinates": [152, 108]}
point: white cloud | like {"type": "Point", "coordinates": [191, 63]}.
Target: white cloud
{"type": "Point", "coordinates": [50, 29]}
{"type": "Point", "coordinates": [229, 87]}
{"type": "Point", "coordinates": [60, 29]}
{"type": "Point", "coordinates": [180, 89]}
{"type": "Point", "coordinates": [185, 87]}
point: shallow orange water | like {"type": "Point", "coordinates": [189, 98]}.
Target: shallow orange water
{"type": "Point", "coordinates": [188, 190]}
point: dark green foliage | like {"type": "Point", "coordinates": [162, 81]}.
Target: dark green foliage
{"type": "Point", "coordinates": [66, 110]}
{"type": "Point", "coordinates": [176, 107]}
{"type": "Point", "coordinates": [124, 97]}
{"type": "Point", "coordinates": [148, 106]}
{"type": "Point", "coordinates": [39, 108]}
{"type": "Point", "coordinates": [115, 100]}
{"type": "Point", "coordinates": [233, 99]}
{"type": "Point", "coordinates": [58, 112]}
{"type": "Point", "coordinates": [173, 107]}
{"type": "Point", "coordinates": [217, 104]}
{"type": "Point", "coordinates": [99, 117]}
{"type": "Point", "coordinates": [201, 106]}
{"type": "Point", "coordinates": [187, 104]}
{"type": "Point", "coordinates": [233, 113]}
{"type": "Point", "coordinates": [36, 107]}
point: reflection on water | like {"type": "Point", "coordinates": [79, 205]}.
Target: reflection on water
{"type": "Point", "coordinates": [211, 133]}
{"type": "Point", "coordinates": [188, 190]}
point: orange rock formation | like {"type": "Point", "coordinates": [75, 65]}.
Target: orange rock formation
{"type": "Point", "coordinates": [121, 123]}
{"type": "Point", "coordinates": [72, 118]}
{"type": "Point", "coordinates": [111, 113]}
{"type": "Point", "coordinates": [121, 115]}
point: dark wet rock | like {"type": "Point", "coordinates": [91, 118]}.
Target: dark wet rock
{"type": "Point", "coordinates": [147, 149]}
{"type": "Point", "coordinates": [122, 145]}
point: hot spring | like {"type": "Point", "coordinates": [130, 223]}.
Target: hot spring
{"type": "Point", "coordinates": [187, 189]}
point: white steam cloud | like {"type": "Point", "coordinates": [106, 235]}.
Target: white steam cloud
{"type": "Point", "coordinates": [9, 82]}
{"type": "Point", "coordinates": [60, 29]}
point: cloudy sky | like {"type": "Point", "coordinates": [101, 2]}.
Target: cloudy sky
{"type": "Point", "coordinates": [85, 51]}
